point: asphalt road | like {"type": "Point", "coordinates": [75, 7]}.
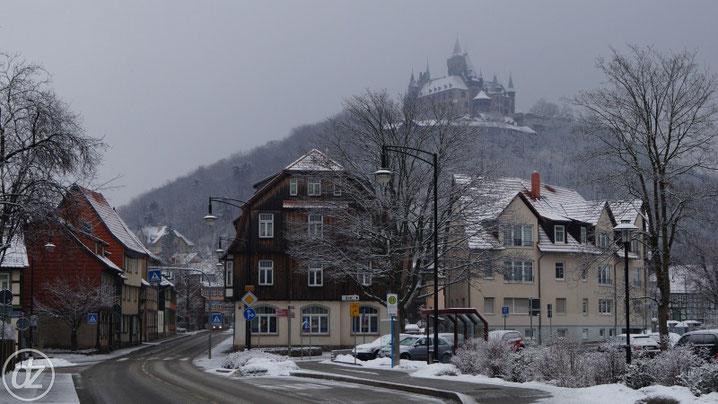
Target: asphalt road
{"type": "Point", "coordinates": [164, 374]}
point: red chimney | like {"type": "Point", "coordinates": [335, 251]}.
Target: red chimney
{"type": "Point", "coordinates": [536, 185]}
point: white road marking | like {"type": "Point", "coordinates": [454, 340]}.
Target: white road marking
{"type": "Point", "coordinates": [362, 371]}
{"type": "Point", "coordinates": [170, 358]}
{"type": "Point", "coordinates": [122, 359]}
{"type": "Point", "coordinates": [184, 359]}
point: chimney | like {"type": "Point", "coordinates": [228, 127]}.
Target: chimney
{"type": "Point", "coordinates": [536, 185]}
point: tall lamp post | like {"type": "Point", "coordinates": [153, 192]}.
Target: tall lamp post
{"type": "Point", "coordinates": [383, 177]}
{"type": "Point", "coordinates": [211, 219]}
{"type": "Point", "coordinates": [626, 228]}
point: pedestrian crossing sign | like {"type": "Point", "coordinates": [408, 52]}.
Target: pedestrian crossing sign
{"type": "Point", "coordinates": [155, 276]}
{"type": "Point", "coordinates": [216, 318]}
{"type": "Point", "coordinates": [92, 318]}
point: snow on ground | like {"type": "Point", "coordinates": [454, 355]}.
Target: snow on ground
{"type": "Point", "coordinates": [268, 367]}
{"type": "Point", "coordinates": [252, 363]}
{"type": "Point", "coordinates": [56, 362]}
{"type": "Point", "coordinates": [219, 354]}
{"type": "Point", "coordinates": [378, 363]}
{"type": "Point", "coordinates": [601, 394]}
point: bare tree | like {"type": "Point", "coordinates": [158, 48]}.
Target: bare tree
{"type": "Point", "coordinates": [382, 237]}
{"type": "Point", "coordinates": [654, 130]}
{"type": "Point", "coordinates": [43, 148]}
{"type": "Point", "coordinates": [545, 108]}
{"type": "Point", "coordinates": [70, 297]}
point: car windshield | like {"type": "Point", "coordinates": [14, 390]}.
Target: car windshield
{"type": "Point", "coordinates": [408, 341]}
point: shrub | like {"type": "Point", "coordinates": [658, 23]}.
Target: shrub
{"type": "Point", "coordinates": [238, 359]}
{"type": "Point", "coordinates": [700, 380]}
{"type": "Point", "coordinates": [492, 358]}
{"type": "Point", "coordinates": [670, 364]}
{"type": "Point", "coordinates": [560, 362]}
{"type": "Point", "coordinates": [639, 374]}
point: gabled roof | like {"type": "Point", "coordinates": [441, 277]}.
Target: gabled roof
{"type": "Point", "coordinates": [114, 223]}
{"type": "Point", "coordinates": [628, 210]}
{"type": "Point", "coordinates": [482, 96]}
{"type": "Point", "coordinates": [571, 246]}
{"type": "Point", "coordinates": [72, 232]}
{"type": "Point", "coordinates": [314, 160]}
{"type": "Point", "coordinates": [15, 254]}
{"type": "Point", "coordinates": [153, 234]}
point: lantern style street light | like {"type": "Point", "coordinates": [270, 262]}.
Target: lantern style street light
{"type": "Point", "coordinates": [383, 177]}
{"type": "Point", "coordinates": [626, 228]}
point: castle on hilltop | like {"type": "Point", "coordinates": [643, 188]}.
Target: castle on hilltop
{"type": "Point", "coordinates": [463, 88]}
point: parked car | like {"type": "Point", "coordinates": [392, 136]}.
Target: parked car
{"type": "Point", "coordinates": [512, 337]}
{"type": "Point", "coordinates": [704, 342]}
{"type": "Point", "coordinates": [413, 347]}
{"type": "Point", "coordinates": [639, 342]}
{"type": "Point", "coordinates": [449, 337]}
{"type": "Point", "coordinates": [180, 330]}
{"type": "Point", "coordinates": [672, 338]}
{"type": "Point", "coordinates": [370, 350]}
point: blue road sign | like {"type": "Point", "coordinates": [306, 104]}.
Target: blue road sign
{"type": "Point", "coordinates": [505, 310]}
{"type": "Point", "coordinates": [155, 275]}
{"type": "Point", "coordinates": [16, 314]}
{"type": "Point", "coordinates": [216, 319]}
{"type": "Point", "coordinates": [305, 325]}
{"type": "Point", "coordinates": [92, 318]}
{"type": "Point", "coordinates": [249, 314]}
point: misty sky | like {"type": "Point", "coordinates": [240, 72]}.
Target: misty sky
{"type": "Point", "coordinates": [172, 85]}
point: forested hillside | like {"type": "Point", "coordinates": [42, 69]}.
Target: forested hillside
{"type": "Point", "coordinates": [553, 151]}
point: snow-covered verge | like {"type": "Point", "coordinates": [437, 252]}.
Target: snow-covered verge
{"type": "Point", "coordinates": [245, 363]}
{"type": "Point", "coordinates": [56, 363]}
{"type": "Point", "coordinates": [219, 354]}
{"type": "Point", "coordinates": [615, 393]}
{"type": "Point", "coordinates": [378, 363]}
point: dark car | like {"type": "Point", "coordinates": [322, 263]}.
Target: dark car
{"type": "Point", "coordinates": [703, 342]}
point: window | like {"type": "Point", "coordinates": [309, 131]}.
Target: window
{"type": "Point", "coordinates": [488, 305]}
{"type": "Point", "coordinates": [518, 271]}
{"type": "Point", "coordinates": [265, 321]}
{"type": "Point", "coordinates": [293, 187]}
{"type": "Point", "coordinates": [584, 307]}
{"type": "Point", "coordinates": [637, 277]}
{"type": "Point", "coordinates": [214, 292]}
{"type": "Point", "coordinates": [559, 271]}
{"type": "Point", "coordinates": [584, 333]}
{"type": "Point", "coordinates": [583, 235]}
{"type": "Point", "coordinates": [636, 247]}
{"type": "Point", "coordinates": [518, 236]}
{"type": "Point", "coordinates": [488, 272]}
{"type": "Point", "coordinates": [605, 306]}
{"type": "Point", "coordinates": [367, 322]}
{"type": "Point", "coordinates": [559, 234]}
{"type": "Point", "coordinates": [583, 275]}
{"type": "Point", "coordinates": [316, 225]}
{"type": "Point", "coordinates": [602, 240]}
{"type": "Point", "coordinates": [316, 277]}
{"type": "Point", "coordinates": [364, 278]}
{"type": "Point", "coordinates": [602, 333]}
{"type": "Point", "coordinates": [337, 190]}
{"type": "Point", "coordinates": [604, 275]}
{"type": "Point", "coordinates": [266, 272]}
{"type": "Point", "coordinates": [314, 187]}
{"type": "Point", "coordinates": [315, 320]}
{"type": "Point", "coordinates": [611, 332]}
{"type": "Point", "coordinates": [517, 305]}
{"type": "Point", "coordinates": [266, 225]}
{"type": "Point", "coordinates": [561, 332]}
{"type": "Point", "coordinates": [229, 277]}
{"type": "Point", "coordinates": [86, 227]}
{"type": "Point", "coordinates": [561, 305]}
{"type": "Point", "coordinates": [5, 281]}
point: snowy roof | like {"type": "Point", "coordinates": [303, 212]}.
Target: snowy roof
{"type": "Point", "coordinates": [153, 234]}
{"type": "Point", "coordinates": [482, 96]}
{"type": "Point", "coordinates": [15, 254]}
{"type": "Point", "coordinates": [114, 222]}
{"type": "Point", "coordinates": [628, 210]}
{"type": "Point", "coordinates": [571, 246]}
{"type": "Point", "coordinates": [165, 282]}
{"type": "Point", "coordinates": [145, 283]}
{"type": "Point", "coordinates": [314, 160]}
{"type": "Point", "coordinates": [443, 84]}
{"type": "Point", "coordinates": [313, 205]}
{"type": "Point", "coordinates": [487, 121]}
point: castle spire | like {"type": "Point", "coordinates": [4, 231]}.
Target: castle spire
{"type": "Point", "coordinates": [412, 81]}
{"type": "Point", "coordinates": [511, 82]}
{"type": "Point", "coordinates": [457, 48]}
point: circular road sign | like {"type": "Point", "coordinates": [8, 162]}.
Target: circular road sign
{"type": "Point", "coordinates": [22, 323]}
{"type": "Point", "coordinates": [392, 299]}
{"type": "Point", "coordinates": [249, 314]}
{"type": "Point", "coordinates": [5, 296]}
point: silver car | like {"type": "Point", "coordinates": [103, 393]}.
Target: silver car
{"type": "Point", "coordinates": [414, 348]}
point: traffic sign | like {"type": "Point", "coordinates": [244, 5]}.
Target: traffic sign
{"type": "Point", "coordinates": [155, 275]}
{"type": "Point", "coordinates": [249, 299]}
{"type": "Point", "coordinates": [249, 288]}
{"type": "Point", "coordinates": [92, 318]}
{"type": "Point", "coordinates": [5, 296]}
{"type": "Point", "coordinates": [16, 314]}
{"type": "Point", "coordinates": [392, 304]}
{"type": "Point", "coordinates": [217, 318]}
{"type": "Point", "coordinates": [249, 314]}
{"type": "Point", "coordinates": [22, 324]}
{"type": "Point", "coordinates": [505, 311]}
{"type": "Point", "coordinates": [350, 298]}
{"type": "Point", "coordinates": [354, 309]}
{"type": "Point", "coordinates": [305, 325]}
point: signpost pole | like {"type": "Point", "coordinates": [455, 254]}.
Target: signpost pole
{"type": "Point", "coordinates": [392, 342]}
{"type": "Point", "coordinates": [289, 331]}
{"type": "Point", "coordinates": [531, 317]}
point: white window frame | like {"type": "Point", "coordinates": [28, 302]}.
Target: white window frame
{"type": "Point", "coordinates": [493, 305]}
{"type": "Point", "coordinates": [266, 268]}
{"type": "Point", "coordinates": [510, 302]}
{"type": "Point", "coordinates": [265, 313]}
{"type": "Point", "coordinates": [584, 235]}
{"type": "Point", "coordinates": [602, 240]}
{"type": "Point", "coordinates": [229, 274]}
{"type": "Point", "coordinates": [314, 274]}
{"type": "Point", "coordinates": [315, 228]}
{"type": "Point", "coordinates": [293, 187]}
{"type": "Point", "coordinates": [516, 272]}
{"type": "Point", "coordinates": [266, 225]}
{"type": "Point", "coordinates": [364, 278]}
{"type": "Point", "coordinates": [5, 281]}
{"type": "Point", "coordinates": [605, 306]}
{"type": "Point", "coordinates": [311, 317]}
{"type": "Point", "coordinates": [314, 187]}
{"type": "Point", "coordinates": [559, 229]}
{"type": "Point", "coordinates": [636, 277]}
{"type": "Point", "coordinates": [337, 191]}
{"type": "Point", "coordinates": [562, 266]}
{"type": "Point", "coordinates": [362, 324]}
{"type": "Point", "coordinates": [604, 275]}
{"type": "Point", "coordinates": [518, 235]}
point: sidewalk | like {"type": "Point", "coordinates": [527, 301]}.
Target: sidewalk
{"type": "Point", "coordinates": [483, 393]}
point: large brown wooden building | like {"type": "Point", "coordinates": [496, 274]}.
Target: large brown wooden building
{"type": "Point", "coordinates": [259, 257]}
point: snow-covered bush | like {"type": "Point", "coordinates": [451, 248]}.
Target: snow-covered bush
{"type": "Point", "coordinates": [701, 380]}
{"type": "Point", "coordinates": [560, 362]}
{"type": "Point", "coordinates": [639, 374]}
{"type": "Point", "coordinates": [492, 358]}
{"type": "Point", "coordinates": [669, 364]}
{"type": "Point", "coordinates": [238, 359]}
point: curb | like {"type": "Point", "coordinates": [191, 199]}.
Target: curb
{"type": "Point", "coordinates": [456, 397]}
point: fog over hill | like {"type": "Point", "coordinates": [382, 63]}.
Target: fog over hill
{"type": "Point", "coordinates": [553, 151]}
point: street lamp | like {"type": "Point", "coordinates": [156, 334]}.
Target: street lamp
{"type": "Point", "coordinates": [383, 177]}
{"type": "Point", "coordinates": [626, 228]}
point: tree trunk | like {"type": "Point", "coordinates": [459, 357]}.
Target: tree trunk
{"type": "Point", "coordinates": [73, 341]}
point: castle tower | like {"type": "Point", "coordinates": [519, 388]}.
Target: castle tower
{"type": "Point", "coordinates": [511, 91]}
{"type": "Point", "coordinates": [413, 90]}
{"type": "Point", "coordinates": [457, 62]}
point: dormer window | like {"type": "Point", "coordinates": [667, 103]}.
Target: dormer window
{"type": "Point", "coordinates": [583, 235]}
{"type": "Point", "coordinates": [559, 234]}
{"type": "Point", "coordinates": [602, 240]}
{"type": "Point", "coordinates": [314, 187]}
